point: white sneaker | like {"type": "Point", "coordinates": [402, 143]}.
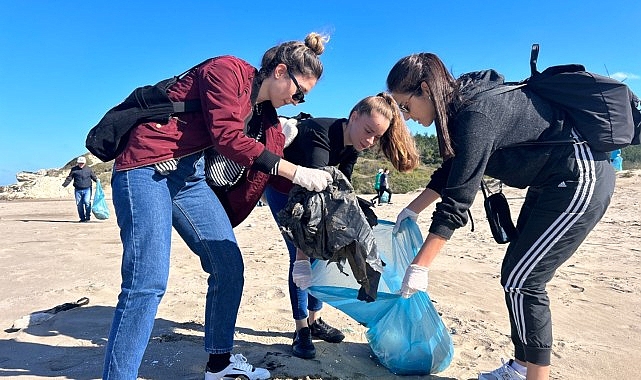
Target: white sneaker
{"type": "Point", "coordinates": [238, 368]}
{"type": "Point", "coordinates": [504, 372]}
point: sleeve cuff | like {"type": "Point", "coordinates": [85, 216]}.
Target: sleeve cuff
{"type": "Point", "coordinates": [267, 162]}
{"type": "Point", "coordinates": [442, 231]}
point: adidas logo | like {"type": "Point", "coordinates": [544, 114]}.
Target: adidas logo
{"type": "Point", "coordinates": [562, 184]}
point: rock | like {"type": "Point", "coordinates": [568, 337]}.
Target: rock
{"type": "Point", "coordinates": [47, 183]}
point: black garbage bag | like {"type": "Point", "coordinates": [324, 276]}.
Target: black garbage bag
{"type": "Point", "coordinates": [330, 225]}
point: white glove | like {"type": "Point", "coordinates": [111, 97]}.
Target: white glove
{"type": "Point", "coordinates": [415, 279]}
{"type": "Point", "coordinates": [312, 179]}
{"type": "Point", "coordinates": [290, 129]}
{"type": "Point", "coordinates": [404, 214]}
{"type": "Point", "coordinates": [302, 274]}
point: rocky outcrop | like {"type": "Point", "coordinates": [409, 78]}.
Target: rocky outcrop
{"type": "Point", "coordinates": [47, 183]}
{"type": "Point", "coordinates": [34, 185]}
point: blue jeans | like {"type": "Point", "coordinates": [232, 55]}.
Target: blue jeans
{"type": "Point", "coordinates": [147, 205]}
{"type": "Point", "coordinates": [83, 202]}
{"type": "Point", "coordinates": [300, 299]}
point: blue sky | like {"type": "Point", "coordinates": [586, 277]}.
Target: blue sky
{"type": "Point", "coordinates": [63, 64]}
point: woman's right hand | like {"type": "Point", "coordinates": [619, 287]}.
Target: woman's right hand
{"type": "Point", "coordinates": [312, 179]}
{"type": "Point", "coordinates": [415, 280]}
{"type": "Point", "coordinates": [404, 214]}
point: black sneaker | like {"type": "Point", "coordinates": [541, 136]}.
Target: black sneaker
{"type": "Point", "coordinates": [322, 330]}
{"type": "Point", "coordinates": [302, 345]}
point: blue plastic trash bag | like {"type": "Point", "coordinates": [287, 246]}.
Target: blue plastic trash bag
{"type": "Point", "coordinates": [407, 336]}
{"type": "Point", "coordinates": [99, 207]}
{"type": "Point", "coordinates": [616, 160]}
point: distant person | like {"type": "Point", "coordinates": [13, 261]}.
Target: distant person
{"type": "Point", "coordinates": [82, 175]}
{"type": "Point", "coordinates": [160, 181]}
{"type": "Point", "coordinates": [382, 178]}
{"type": "Point", "coordinates": [335, 142]}
{"type": "Point", "coordinates": [569, 187]}
{"type": "Point", "coordinates": [385, 187]}
{"type": "Point", "coordinates": [377, 185]}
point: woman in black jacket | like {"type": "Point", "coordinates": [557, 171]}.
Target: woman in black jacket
{"type": "Point", "coordinates": [336, 142]}
{"type": "Point", "coordinates": [569, 189]}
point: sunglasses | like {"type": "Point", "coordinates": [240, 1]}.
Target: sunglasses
{"type": "Point", "coordinates": [299, 95]}
{"type": "Point", "coordinates": [404, 107]}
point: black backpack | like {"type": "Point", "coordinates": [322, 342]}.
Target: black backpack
{"type": "Point", "coordinates": [145, 104]}
{"type": "Point", "coordinates": [603, 110]}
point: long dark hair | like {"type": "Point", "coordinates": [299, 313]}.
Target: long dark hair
{"type": "Point", "coordinates": [406, 77]}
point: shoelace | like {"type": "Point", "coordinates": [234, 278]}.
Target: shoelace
{"type": "Point", "coordinates": [324, 327]}
{"type": "Point", "coordinates": [240, 362]}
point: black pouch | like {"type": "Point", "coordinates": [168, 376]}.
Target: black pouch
{"type": "Point", "coordinates": [498, 215]}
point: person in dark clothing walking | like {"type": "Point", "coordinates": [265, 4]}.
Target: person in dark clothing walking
{"type": "Point", "coordinates": [323, 142]}
{"type": "Point", "coordinates": [569, 189]}
{"type": "Point", "coordinates": [384, 187]}
{"type": "Point", "coordinates": [82, 175]}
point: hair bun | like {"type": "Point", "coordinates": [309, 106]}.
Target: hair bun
{"type": "Point", "coordinates": [316, 42]}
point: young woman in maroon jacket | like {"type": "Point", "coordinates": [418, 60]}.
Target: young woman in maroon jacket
{"type": "Point", "coordinates": [159, 182]}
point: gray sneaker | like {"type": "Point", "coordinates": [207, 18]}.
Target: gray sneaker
{"type": "Point", "coordinates": [504, 372]}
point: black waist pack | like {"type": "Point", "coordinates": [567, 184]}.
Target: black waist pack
{"type": "Point", "coordinates": [145, 104]}
{"type": "Point", "coordinates": [498, 215]}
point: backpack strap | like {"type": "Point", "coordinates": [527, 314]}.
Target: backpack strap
{"type": "Point", "coordinates": [189, 105]}
{"type": "Point", "coordinates": [534, 56]}
{"type": "Point", "coordinates": [501, 89]}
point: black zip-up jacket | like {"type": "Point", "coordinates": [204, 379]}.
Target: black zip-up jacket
{"type": "Point", "coordinates": [320, 143]}
{"type": "Point", "coordinates": [484, 130]}
{"type": "Point", "coordinates": [81, 177]}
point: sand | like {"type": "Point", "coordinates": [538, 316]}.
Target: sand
{"type": "Point", "coordinates": [49, 259]}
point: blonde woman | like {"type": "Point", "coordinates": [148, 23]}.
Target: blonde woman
{"type": "Point", "coordinates": [375, 120]}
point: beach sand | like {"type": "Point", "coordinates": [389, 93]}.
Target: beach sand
{"type": "Point", "coordinates": [48, 258]}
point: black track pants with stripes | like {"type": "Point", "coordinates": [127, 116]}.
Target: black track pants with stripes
{"type": "Point", "coordinates": [554, 220]}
